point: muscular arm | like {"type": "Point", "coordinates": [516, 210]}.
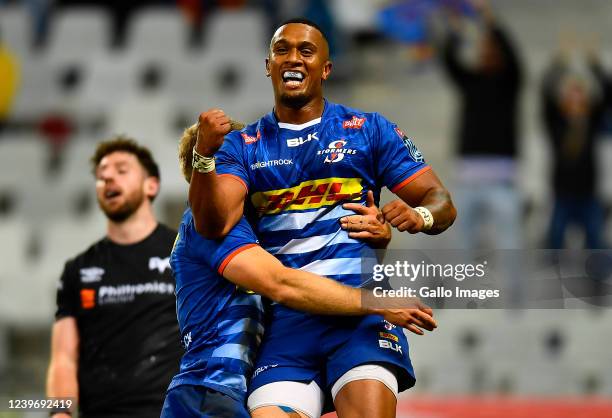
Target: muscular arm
{"type": "Point", "coordinates": [259, 271]}
{"type": "Point", "coordinates": [62, 374]}
{"type": "Point", "coordinates": [426, 190]}
{"type": "Point", "coordinates": [217, 203]}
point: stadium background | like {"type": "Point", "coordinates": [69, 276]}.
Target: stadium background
{"type": "Point", "coordinates": [62, 88]}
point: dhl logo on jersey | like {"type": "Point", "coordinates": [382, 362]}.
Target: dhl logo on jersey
{"type": "Point", "coordinates": [311, 194]}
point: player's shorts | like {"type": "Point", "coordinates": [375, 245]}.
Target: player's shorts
{"type": "Point", "coordinates": [304, 348]}
{"type": "Point", "coordinates": [202, 402]}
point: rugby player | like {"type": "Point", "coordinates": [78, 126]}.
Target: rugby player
{"type": "Point", "coordinates": [292, 171]}
{"type": "Point", "coordinates": [222, 325]}
{"type": "Point", "coordinates": [114, 341]}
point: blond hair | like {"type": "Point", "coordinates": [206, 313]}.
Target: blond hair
{"type": "Point", "coordinates": [185, 151]}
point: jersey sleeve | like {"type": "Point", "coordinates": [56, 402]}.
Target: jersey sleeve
{"type": "Point", "coordinates": [67, 293]}
{"type": "Point", "coordinates": [398, 161]}
{"type": "Point", "coordinates": [218, 253]}
{"type": "Point", "coordinates": [229, 160]}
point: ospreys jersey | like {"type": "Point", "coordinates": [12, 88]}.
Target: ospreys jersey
{"type": "Point", "coordinates": [122, 297]}
{"type": "Point", "coordinates": [298, 177]}
{"type": "Point", "coordinates": [221, 325]}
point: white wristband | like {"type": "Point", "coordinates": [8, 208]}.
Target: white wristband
{"type": "Point", "coordinates": [428, 219]}
{"type": "Point", "coordinates": [202, 164]}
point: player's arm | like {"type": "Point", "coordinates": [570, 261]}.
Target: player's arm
{"type": "Point", "coordinates": [425, 191]}
{"type": "Point", "coordinates": [62, 374]}
{"type": "Point", "coordinates": [259, 271]}
{"type": "Point", "coordinates": [217, 202]}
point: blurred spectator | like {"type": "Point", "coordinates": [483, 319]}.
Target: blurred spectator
{"type": "Point", "coordinates": [573, 107]}
{"type": "Point", "coordinates": [487, 134]}
{"type": "Point", "coordinates": [9, 79]}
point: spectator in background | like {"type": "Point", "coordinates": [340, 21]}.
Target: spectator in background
{"type": "Point", "coordinates": [487, 134]}
{"type": "Point", "coordinates": [9, 80]}
{"type": "Point", "coordinates": [573, 105]}
{"type": "Point", "coordinates": [115, 342]}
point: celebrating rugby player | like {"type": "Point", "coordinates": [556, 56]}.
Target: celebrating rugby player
{"type": "Point", "coordinates": [293, 172]}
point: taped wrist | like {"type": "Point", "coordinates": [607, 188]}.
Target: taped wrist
{"type": "Point", "coordinates": [201, 163]}
{"type": "Point", "coordinates": [428, 219]}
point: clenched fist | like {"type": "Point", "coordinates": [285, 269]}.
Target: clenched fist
{"type": "Point", "coordinates": [213, 125]}
{"type": "Point", "coordinates": [403, 217]}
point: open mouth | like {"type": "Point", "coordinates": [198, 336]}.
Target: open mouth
{"type": "Point", "coordinates": [293, 78]}
{"type": "Point", "coordinates": [111, 194]}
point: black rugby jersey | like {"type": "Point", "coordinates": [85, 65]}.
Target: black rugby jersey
{"type": "Point", "coordinates": [122, 297]}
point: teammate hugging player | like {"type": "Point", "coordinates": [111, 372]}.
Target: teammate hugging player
{"type": "Point", "coordinates": [222, 325]}
{"type": "Point", "coordinates": [294, 169]}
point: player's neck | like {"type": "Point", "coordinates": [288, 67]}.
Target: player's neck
{"type": "Point", "coordinates": [308, 112]}
{"type": "Point", "coordinates": [135, 228]}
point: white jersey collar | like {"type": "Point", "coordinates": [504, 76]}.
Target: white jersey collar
{"type": "Point", "coordinates": [294, 127]}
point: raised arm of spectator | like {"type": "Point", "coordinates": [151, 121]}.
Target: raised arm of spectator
{"type": "Point", "coordinates": [551, 85]}
{"type": "Point", "coordinates": [457, 72]}
{"type": "Point", "coordinates": [604, 84]}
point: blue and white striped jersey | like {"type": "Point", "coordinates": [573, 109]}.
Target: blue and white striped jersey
{"type": "Point", "coordinates": [221, 326]}
{"type": "Point", "coordinates": [298, 177]}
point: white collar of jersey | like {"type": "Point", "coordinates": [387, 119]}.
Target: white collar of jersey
{"type": "Point", "coordinates": [299, 127]}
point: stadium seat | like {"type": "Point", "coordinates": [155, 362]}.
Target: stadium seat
{"type": "Point", "coordinates": [157, 32]}
{"type": "Point", "coordinates": [111, 78]}
{"type": "Point", "coordinates": [35, 92]}
{"type": "Point", "coordinates": [60, 240]}
{"type": "Point", "coordinates": [16, 28]}
{"type": "Point", "coordinates": [236, 31]}
{"type": "Point", "coordinates": [15, 233]}
{"type": "Point", "coordinates": [243, 91]}
{"type": "Point", "coordinates": [77, 33]}
{"type": "Point", "coordinates": [173, 185]}
{"type": "Point", "coordinates": [355, 16]}
{"type": "Point", "coordinates": [74, 187]}
{"type": "Point", "coordinates": [22, 163]}
{"type": "Point", "coordinates": [145, 117]}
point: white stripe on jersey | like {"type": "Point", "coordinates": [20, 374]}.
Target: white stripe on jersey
{"type": "Point", "coordinates": [300, 220]}
{"type": "Point", "coordinates": [308, 244]}
{"type": "Point", "coordinates": [334, 267]}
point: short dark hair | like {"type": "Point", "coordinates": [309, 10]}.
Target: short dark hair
{"type": "Point", "coordinates": [304, 21]}
{"type": "Point", "coordinates": [129, 145]}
